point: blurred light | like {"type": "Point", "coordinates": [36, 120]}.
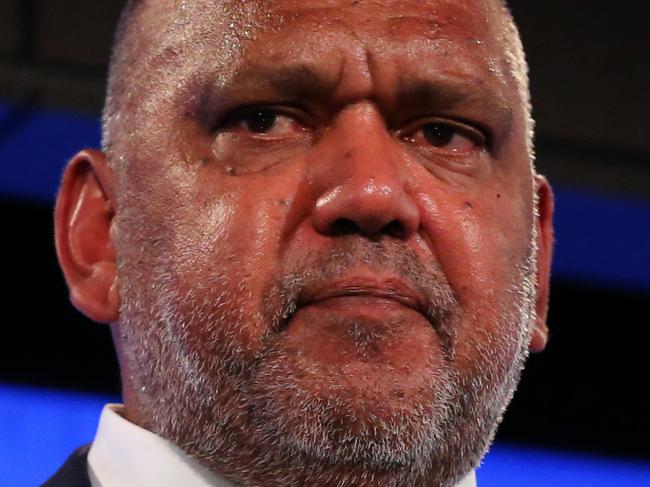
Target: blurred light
{"type": "Point", "coordinates": [601, 239]}
{"type": "Point", "coordinates": [39, 428]}
{"type": "Point", "coordinates": [35, 145]}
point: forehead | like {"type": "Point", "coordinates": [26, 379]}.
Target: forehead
{"type": "Point", "coordinates": [234, 23]}
{"type": "Point", "coordinates": [401, 19]}
{"type": "Point", "coordinates": [174, 40]}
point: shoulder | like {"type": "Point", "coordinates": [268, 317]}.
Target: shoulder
{"type": "Point", "coordinates": [74, 472]}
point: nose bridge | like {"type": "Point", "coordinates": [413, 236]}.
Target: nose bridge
{"type": "Point", "coordinates": [363, 179]}
{"type": "Point", "coordinates": [365, 161]}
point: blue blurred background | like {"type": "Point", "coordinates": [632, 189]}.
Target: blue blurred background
{"type": "Point", "coordinates": [581, 415]}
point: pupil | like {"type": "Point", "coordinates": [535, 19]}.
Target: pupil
{"type": "Point", "coordinates": [261, 121]}
{"type": "Point", "coordinates": [438, 135]}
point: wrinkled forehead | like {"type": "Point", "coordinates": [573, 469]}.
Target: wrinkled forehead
{"type": "Point", "coordinates": [227, 26]}
{"type": "Point", "coordinates": [171, 40]}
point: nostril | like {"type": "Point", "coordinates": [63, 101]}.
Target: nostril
{"type": "Point", "coordinates": [394, 228]}
{"type": "Point", "coordinates": [344, 226]}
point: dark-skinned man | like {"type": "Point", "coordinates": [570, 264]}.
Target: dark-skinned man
{"type": "Point", "coordinates": [318, 237]}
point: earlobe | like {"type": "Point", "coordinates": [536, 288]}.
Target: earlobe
{"type": "Point", "coordinates": [544, 258]}
{"type": "Point", "coordinates": [83, 218]}
{"type": "Point", "coordinates": [540, 337]}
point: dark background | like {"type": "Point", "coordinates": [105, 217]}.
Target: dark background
{"type": "Point", "coordinates": [590, 82]}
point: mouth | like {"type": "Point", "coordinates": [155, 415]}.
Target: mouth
{"type": "Point", "coordinates": [368, 290]}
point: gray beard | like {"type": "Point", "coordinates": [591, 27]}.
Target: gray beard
{"type": "Point", "coordinates": [240, 411]}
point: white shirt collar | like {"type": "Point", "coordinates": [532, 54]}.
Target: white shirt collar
{"type": "Point", "coordinates": [126, 455]}
{"type": "Point", "coordinates": [469, 481]}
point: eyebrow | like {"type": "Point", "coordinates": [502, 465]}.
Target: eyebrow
{"type": "Point", "coordinates": [300, 82]}
{"type": "Point", "coordinates": [461, 93]}
{"type": "Point", "coordinates": [306, 83]}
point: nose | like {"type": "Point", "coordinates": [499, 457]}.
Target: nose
{"type": "Point", "coordinates": [363, 180]}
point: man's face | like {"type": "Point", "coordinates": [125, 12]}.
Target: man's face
{"type": "Point", "coordinates": [325, 236]}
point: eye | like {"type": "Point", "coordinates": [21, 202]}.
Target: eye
{"type": "Point", "coordinates": [438, 135]}
{"type": "Point", "coordinates": [447, 136]}
{"type": "Point", "coordinates": [259, 121]}
{"type": "Point", "coordinates": [264, 121]}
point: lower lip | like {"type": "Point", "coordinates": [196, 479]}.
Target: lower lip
{"type": "Point", "coordinates": [371, 307]}
{"type": "Point", "coordinates": [329, 327]}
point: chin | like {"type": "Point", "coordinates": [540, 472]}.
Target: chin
{"type": "Point", "coordinates": [346, 414]}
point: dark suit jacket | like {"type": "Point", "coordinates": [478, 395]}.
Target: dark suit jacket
{"type": "Point", "coordinates": [74, 472]}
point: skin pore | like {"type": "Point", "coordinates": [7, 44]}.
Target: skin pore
{"type": "Point", "coordinates": [316, 233]}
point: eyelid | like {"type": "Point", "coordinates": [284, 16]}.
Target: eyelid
{"type": "Point", "coordinates": [235, 116]}
{"type": "Point", "coordinates": [477, 133]}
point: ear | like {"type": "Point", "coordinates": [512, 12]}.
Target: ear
{"type": "Point", "coordinates": [83, 217]}
{"type": "Point", "coordinates": [544, 257]}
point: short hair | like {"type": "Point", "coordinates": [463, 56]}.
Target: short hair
{"type": "Point", "coordinates": [112, 101]}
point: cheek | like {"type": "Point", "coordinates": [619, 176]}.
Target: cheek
{"type": "Point", "coordinates": [214, 262]}
{"type": "Point", "coordinates": [463, 242]}
{"type": "Point", "coordinates": [479, 245]}
{"type": "Point", "coordinates": [234, 233]}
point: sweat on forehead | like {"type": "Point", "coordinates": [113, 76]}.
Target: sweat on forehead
{"type": "Point", "coordinates": [155, 36]}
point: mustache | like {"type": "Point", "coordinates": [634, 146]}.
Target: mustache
{"type": "Point", "coordinates": [308, 269]}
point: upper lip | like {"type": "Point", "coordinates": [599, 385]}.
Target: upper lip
{"type": "Point", "coordinates": [386, 287]}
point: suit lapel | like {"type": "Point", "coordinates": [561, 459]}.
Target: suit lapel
{"type": "Point", "coordinates": [74, 472]}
